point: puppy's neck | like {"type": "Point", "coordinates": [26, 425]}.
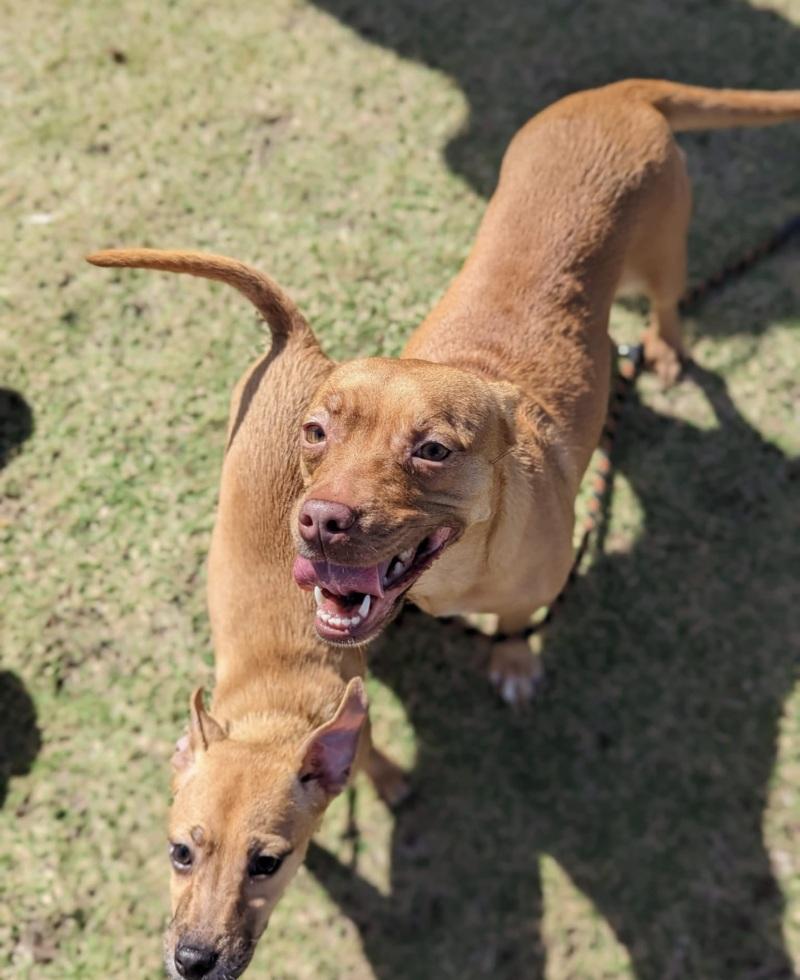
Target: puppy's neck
{"type": "Point", "coordinates": [289, 694]}
{"type": "Point", "coordinates": [270, 726]}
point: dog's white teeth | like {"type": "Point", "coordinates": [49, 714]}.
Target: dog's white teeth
{"type": "Point", "coordinates": [338, 621]}
{"type": "Point", "coordinates": [399, 565]}
{"type": "Point", "coordinates": [363, 609]}
{"type": "Point", "coordinates": [318, 598]}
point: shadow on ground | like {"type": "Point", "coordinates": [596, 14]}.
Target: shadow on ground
{"type": "Point", "coordinates": [20, 739]}
{"type": "Point", "coordinates": [643, 771]}
{"type": "Point", "coordinates": [16, 424]}
{"type": "Point", "coordinates": [513, 57]}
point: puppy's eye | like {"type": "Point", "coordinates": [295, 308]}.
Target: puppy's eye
{"type": "Point", "coordinates": [181, 857]}
{"type": "Point", "coordinates": [433, 452]}
{"type": "Point", "coordinates": [313, 433]}
{"type": "Point", "coordinates": [263, 865]}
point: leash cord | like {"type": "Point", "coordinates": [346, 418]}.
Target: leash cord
{"type": "Point", "coordinates": [630, 364]}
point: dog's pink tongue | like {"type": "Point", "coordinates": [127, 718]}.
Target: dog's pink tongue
{"type": "Point", "coordinates": [339, 579]}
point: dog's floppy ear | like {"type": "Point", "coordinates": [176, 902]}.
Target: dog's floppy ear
{"type": "Point", "coordinates": [203, 731]}
{"type": "Point", "coordinates": [329, 753]}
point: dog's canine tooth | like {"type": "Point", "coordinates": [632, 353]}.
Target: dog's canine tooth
{"type": "Point", "coordinates": [363, 609]}
{"type": "Point", "coordinates": [404, 556]}
{"type": "Point", "coordinates": [318, 598]}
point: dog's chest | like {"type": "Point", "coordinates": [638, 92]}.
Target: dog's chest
{"type": "Point", "coordinates": [458, 586]}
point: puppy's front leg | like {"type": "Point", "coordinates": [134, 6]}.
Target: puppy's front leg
{"type": "Point", "coordinates": [515, 663]}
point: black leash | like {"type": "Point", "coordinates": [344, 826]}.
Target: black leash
{"type": "Point", "coordinates": [629, 367]}
{"type": "Point", "coordinates": [733, 269]}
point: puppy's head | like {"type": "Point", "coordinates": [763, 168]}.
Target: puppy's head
{"type": "Point", "coordinates": [243, 814]}
{"type": "Point", "coordinates": [399, 458]}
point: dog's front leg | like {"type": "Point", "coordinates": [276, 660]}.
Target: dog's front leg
{"type": "Point", "coordinates": [515, 663]}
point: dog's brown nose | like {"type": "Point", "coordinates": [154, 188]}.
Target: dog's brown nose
{"type": "Point", "coordinates": [194, 962]}
{"type": "Point", "coordinates": [325, 521]}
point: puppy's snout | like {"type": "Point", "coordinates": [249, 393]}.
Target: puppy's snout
{"type": "Point", "coordinates": [325, 521]}
{"type": "Point", "coordinates": [194, 962]}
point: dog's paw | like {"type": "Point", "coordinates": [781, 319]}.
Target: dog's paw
{"type": "Point", "coordinates": [515, 670]}
{"type": "Point", "coordinates": [663, 360]}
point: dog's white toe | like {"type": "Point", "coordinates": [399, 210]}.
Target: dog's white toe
{"type": "Point", "coordinates": [515, 671]}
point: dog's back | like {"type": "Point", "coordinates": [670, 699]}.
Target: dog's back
{"type": "Point", "coordinates": [250, 594]}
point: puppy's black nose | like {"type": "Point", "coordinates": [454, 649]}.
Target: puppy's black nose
{"type": "Point", "coordinates": [194, 962]}
{"type": "Point", "coordinates": [326, 521]}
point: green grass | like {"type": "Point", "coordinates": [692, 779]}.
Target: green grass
{"type": "Point", "coordinates": [643, 821]}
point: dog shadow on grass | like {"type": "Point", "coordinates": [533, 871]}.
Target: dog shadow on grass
{"type": "Point", "coordinates": [20, 739]}
{"type": "Point", "coordinates": [16, 424]}
{"type": "Point", "coordinates": [642, 771]}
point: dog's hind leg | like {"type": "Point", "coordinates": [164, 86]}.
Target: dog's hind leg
{"type": "Point", "coordinates": [657, 259]}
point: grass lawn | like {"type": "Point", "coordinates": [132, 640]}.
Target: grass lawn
{"type": "Point", "coordinates": [643, 820]}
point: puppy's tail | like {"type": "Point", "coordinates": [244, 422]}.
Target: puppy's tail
{"type": "Point", "coordinates": [693, 107]}
{"type": "Point", "coordinates": [282, 315]}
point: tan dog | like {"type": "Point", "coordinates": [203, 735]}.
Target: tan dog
{"type": "Point", "coordinates": [289, 724]}
{"type": "Point", "coordinates": [469, 451]}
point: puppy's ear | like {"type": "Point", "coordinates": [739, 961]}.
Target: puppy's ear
{"type": "Point", "coordinates": [203, 731]}
{"type": "Point", "coordinates": [329, 753]}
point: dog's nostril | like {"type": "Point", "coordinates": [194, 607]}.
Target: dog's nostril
{"type": "Point", "coordinates": [327, 518]}
{"type": "Point", "coordinates": [194, 962]}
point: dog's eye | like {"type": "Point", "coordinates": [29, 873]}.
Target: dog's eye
{"type": "Point", "coordinates": [433, 452]}
{"type": "Point", "coordinates": [263, 865]}
{"type": "Point", "coordinates": [313, 433]}
{"type": "Point", "coordinates": [181, 856]}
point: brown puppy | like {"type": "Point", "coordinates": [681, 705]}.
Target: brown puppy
{"type": "Point", "coordinates": [469, 451]}
{"type": "Point", "coordinates": [289, 723]}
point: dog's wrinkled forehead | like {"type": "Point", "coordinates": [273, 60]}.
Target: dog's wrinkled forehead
{"type": "Point", "coordinates": [235, 786]}
{"type": "Point", "coordinates": [402, 395]}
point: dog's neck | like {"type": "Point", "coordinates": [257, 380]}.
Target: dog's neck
{"type": "Point", "coordinates": [285, 695]}
{"type": "Point", "coordinates": [271, 726]}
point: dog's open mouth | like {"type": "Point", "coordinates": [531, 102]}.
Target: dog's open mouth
{"type": "Point", "coordinates": [354, 603]}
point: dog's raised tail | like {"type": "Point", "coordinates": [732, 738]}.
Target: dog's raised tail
{"type": "Point", "coordinates": [694, 107]}
{"type": "Point", "coordinates": [278, 309]}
